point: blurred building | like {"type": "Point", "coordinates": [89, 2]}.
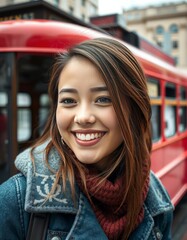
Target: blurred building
{"type": "Point", "coordinates": [81, 9]}
{"type": "Point", "coordinates": [164, 25]}
{"type": "Point", "coordinates": [115, 25]}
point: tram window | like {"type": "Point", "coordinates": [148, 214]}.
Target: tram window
{"type": "Point", "coordinates": [153, 86]}
{"type": "Point", "coordinates": [3, 127]}
{"type": "Point", "coordinates": [34, 70]}
{"type": "Point", "coordinates": [182, 118]}
{"type": "Point", "coordinates": [44, 100]}
{"type": "Point", "coordinates": [183, 110]}
{"type": "Point", "coordinates": [3, 70]}
{"type": "Point", "coordinates": [24, 124]}
{"type": "Point", "coordinates": [170, 120]}
{"type": "Point", "coordinates": [170, 90]}
{"type": "Point", "coordinates": [170, 110]}
{"type": "Point", "coordinates": [155, 123]}
{"type": "Point", "coordinates": [23, 100]}
{"type": "Point", "coordinates": [182, 93]}
{"type": "Point", "coordinates": [24, 117]}
{"type": "Point", "coordinates": [33, 75]}
{"type": "Point", "coordinates": [44, 111]}
{"type": "Point", "coordinates": [3, 99]}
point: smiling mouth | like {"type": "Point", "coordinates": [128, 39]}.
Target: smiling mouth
{"type": "Point", "coordinates": [89, 136]}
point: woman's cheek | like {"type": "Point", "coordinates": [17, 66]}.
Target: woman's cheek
{"type": "Point", "coordinates": [63, 120]}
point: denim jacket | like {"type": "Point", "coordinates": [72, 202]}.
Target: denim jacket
{"type": "Point", "coordinates": [26, 192]}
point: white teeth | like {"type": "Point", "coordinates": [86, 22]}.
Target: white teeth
{"type": "Point", "coordinates": [83, 137]}
{"type": "Point", "coordinates": [88, 136]}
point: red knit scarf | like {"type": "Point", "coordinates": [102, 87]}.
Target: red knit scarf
{"type": "Point", "coordinates": [106, 201]}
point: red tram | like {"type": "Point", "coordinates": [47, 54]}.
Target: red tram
{"type": "Point", "coordinates": [27, 49]}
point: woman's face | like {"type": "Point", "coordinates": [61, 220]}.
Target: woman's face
{"type": "Point", "coordinates": [85, 115]}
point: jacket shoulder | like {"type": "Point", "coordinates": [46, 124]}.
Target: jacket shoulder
{"type": "Point", "coordinates": [158, 199]}
{"type": "Point", "coordinates": [12, 198]}
{"type": "Point", "coordinates": [13, 187]}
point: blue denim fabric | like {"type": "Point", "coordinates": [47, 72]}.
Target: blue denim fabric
{"type": "Point", "coordinates": [26, 192]}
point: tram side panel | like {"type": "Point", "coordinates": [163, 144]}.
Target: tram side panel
{"type": "Point", "coordinates": [169, 163]}
{"type": "Point", "coordinates": [169, 133]}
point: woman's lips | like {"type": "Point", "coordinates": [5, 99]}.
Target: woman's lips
{"type": "Point", "coordinates": [88, 136]}
{"type": "Point", "coordinates": [88, 139]}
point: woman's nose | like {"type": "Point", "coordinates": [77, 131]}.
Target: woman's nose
{"type": "Point", "coordinates": [84, 116]}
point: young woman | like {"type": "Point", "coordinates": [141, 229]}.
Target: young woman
{"type": "Point", "coordinates": [91, 167]}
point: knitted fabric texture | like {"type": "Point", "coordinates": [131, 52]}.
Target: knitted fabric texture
{"type": "Point", "coordinates": [106, 200]}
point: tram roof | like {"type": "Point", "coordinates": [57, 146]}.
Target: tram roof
{"type": "Point", "coordinates": [47, 36]}
{"type": "Point", "coordinates": [42, 35]}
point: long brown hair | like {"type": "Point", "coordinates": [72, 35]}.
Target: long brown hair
{"type": "Point", "coordinates": [126, 83]}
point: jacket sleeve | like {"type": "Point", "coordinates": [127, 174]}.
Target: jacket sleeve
{"type": "Point", "coordinates": [163, 225]}
{"type": "Point", "coordinates": [167, 231]}
{"type": "Point", "coordinates": [12, 218]}
{"type": "Point", "coordinates": [161, 200]}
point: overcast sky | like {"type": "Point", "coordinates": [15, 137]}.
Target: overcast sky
{"type": "Point", "coordinates": [116, 6]}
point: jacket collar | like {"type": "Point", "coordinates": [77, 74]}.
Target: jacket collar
{"type": "Point", "coordinates": [40, 181]}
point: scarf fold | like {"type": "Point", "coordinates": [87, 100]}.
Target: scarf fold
{"type": "Point", "coordinates": [106, 200]}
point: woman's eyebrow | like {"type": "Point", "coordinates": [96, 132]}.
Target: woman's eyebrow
{"type": "Point", "coordinates": [99, 89]}
{"type": "Point", "coordinates": [69, 90]}
{"type": "Point", "coordinates": [73, 90]}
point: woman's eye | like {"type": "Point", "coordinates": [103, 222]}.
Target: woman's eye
{"type": "Point", "coordinates": [68, 101]}
{"type": "Point", "coordinates": [105, 100]}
